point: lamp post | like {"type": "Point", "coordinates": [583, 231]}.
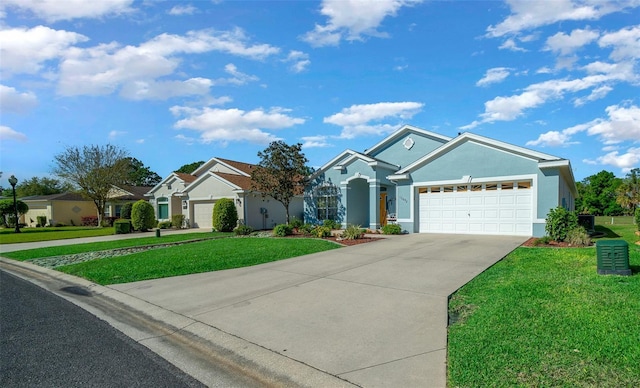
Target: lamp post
{"type": "Point", "coordinates": [13, 181]}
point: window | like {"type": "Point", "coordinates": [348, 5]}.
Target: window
{"type": "Point", "coordinates": [326, 197]}
{"type": "Point", "coordinates": [118, 210]}
{"type": "Point", "coordinates": [491, 186]}
{"type": "Point", "coordinates": [506, 185]}
{"type": "Point", "coordinates": [524, 185]}
{"type": "Point", "coordinates": [476, 187]}
{"type": "Point", "coordinates": [423, 190]}
{"type": "Point", "coordinates": [435, 189]}
{"type": "Point", "coordinates": [163, 208]}
{"type": "Point", "coordinates": [462, 188]}
{"type": "Point", "coordinates": [448, 189]}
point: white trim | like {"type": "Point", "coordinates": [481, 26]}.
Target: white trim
{"type": "Point", "coordinates": [208, 175]}
{"type": "Point", "coordinates": [401, 131]}
{"type": "Point", "coordinates": [207, 166]}
{"type": "Point", "coordinates": [398, 177]}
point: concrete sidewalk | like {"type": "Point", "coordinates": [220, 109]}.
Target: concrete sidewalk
{"type": "Point", "coordinates": [374, 315]}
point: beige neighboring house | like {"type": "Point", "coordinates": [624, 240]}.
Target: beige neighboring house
{"type": "Point", "coordinates": [194, 195]}
{"type": "Point", "coordinates": [70, 208]}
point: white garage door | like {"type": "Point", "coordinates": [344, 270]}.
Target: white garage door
{"type": "Point", "coordinates": [489, 208]}
{"type": "Point", "coordinates": [202, 214]}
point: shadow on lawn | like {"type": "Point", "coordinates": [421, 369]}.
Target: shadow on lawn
{"type": "Point", "coordinates": [608, 233]}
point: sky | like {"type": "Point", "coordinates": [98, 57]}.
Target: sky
{"type": "Point", "coordinates": [174, 82]}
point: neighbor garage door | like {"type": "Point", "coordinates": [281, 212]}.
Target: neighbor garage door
{"type": "Point", "coordinates": [202, 214]}
{"type": "Point", "coordinates": [488, 208]}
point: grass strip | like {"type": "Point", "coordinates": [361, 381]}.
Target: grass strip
{"type": "Point", "coordinates": [544, 317]}
{"type": "Point", "coordinates": [8, 236]}
{"type": "Point", "coordinates": [28, 254]}
{"type": "Point", "coordinates": [204, 256]}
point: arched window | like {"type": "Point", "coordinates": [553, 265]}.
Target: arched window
{"type": "Point", "coordinates": [326, 198]}
{"type": "Point", "coordinates": [163, 208]}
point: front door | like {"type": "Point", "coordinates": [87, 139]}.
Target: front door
{"type": "Point", "coordinates": [383, 209]}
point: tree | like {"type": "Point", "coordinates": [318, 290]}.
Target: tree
{"type": "Point", "coordinates": [189, 168]}
{"type": "Point", "coordinates": [628, 193]}
{"type": "Point", "coordinates": [140, 175]}
{"type": "Point", "coordinates": [40, 186]}
{"type": "Point", "coordinates": [7, 210]}
{"type": "Point", "coordinates": [597, 195]}
{"type": "Point", "coordinates": [281, 173]}
{"type": "Point", "coordinates": [95, 170]}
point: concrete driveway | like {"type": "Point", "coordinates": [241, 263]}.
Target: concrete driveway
{"type": "Point", "coordinates": [373, 314]}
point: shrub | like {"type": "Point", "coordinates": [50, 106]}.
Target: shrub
{"type": "Point", "coordinates": [637, 218]}
{"type": "Point", "coordinates": [296, 223]}
{"type": "Point", "coordinates": [142, 216]}
{"type": "Point", "coordinates": [122, 226]}
{"type": "Point", "coordinates": [331, 224]}
{"type": "Point", "coordinates": [125, 211]}
{"type": "Point", "coordinates": [578, 236]}
{"type": "Point", "coordinates": [352, 232]}
{"type": "Point", "coordinates": [41, 221]}
{"type": "Point", "coordinates": [243, 230]}
{"type": "Point", "coordinates": [225, 215]}
{"type": "Point", "coordinates": [391, 229]}
{"type": "Point", "coordinates": [322, 231]}
{"type": "Point", "coordinates": [306, 229]}
{"type": "Point", "coordinates": [177, 220]}
{"type": "Point", "coordinates": [559, 222]}
{"type": "Point", "coordinates": [164, 224]}
{"type": "Point", "coordinates": [89, 221]}
{"type": "Point", "coordinates": [282, 230]}
{"type": "Point", "coordinates": [543, 241]}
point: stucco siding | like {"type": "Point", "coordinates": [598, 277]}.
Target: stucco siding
{"type": "Point", "coordinates": [71, 212]}
{"type": "Point", "coordinates": [211, 188]}
{"type": "Point", "coordinates": [397, 153]}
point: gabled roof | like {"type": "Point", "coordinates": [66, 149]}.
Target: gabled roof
{"type": "Point", "coordinates": [524, 152]}
{"type": "Point", "coordinates": [56, 197]}
{"type": "Point", "coordinates": [133, 192]}
{"type": "Point", "coordinates": [247, 168]}
{"type": "Point", "coordinates": [347, 156]}
{"type": "Point", "coordinates": [403, 131]}
{"type": "Point", "coordinates": [243, 182]}
{"type": "Point", "coordinates": [240, 167]}
{"type": "Point", "coordinates": [186, 178]}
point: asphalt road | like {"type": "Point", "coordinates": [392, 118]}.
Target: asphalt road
{"type": "Point", "coordinates": [46, 341]}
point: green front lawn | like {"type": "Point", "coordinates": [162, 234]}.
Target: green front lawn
{"type": "Point", "coordinates": [204, 256]}
{"type": "Point", "coordinates": [8, 235]}
{"type": "Point", "coordinates": [544, 317]}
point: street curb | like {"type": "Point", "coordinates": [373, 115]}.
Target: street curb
{"type": "Point", "coordinates": [197, 349]}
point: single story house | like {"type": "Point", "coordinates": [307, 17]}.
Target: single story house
{"type": "Point", "coordinates": [195, 194]}
{"type": "Point", "coordinates": [430, 183]}
{"type": "Point", "coordinates": [70, 208]}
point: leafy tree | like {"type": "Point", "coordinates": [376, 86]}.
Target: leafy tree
{"type": "Point", "coordinates": [225, 215]}
{"type": "Point", "coordinates": [7, 210]}
{"type": "Point", "coordinates": [281, 173]}
{"type": "Point", "coordinates": [597, 195]}
{"type": "Point", "coordinates": [189, 168]}
{"type": "Point", "coordinates": [140, 175]}
{"type": "Point", "coordinates": [628, 193]}
{"type": "Point", "coordinates": [142, 216]}
{"type": "Point", "coordinates": [40, 186]}
{"type": "Point", "coordinates": [94, 169]}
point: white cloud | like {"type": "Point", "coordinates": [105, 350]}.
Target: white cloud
{"type": "Point", "coordinates": [105, 68]}
{"type": "Point", "coordinates": [163, 90]}
{"type": "Point", "coordinates": [299, 61]}
{"type": "Point", "coordinates": [353, 19]}
{"type": "Point", "coordinates": [55, 10]}
{"type": "Point", "coordinates": [625, 43]}
{"type": "Point", "coordinates": [12, 101]}
{"type": "Point", "coordinates": [527, 15]}
{"type": "Point", "coordinates": [510, 44]}
{"type": "Point", "coordinates": [596, 94]}
{"type": "Point", "coordinates": [238, 77]}
{"type": "Point", "coordinates": [180, 10]}
{"type": "Point", "coordinates": [495, 75]}
{"type": "Point", "coordinates": [564, 44]}
{"type": "Point", "coordinates": [511, 107]}
{"type": "Point", "coordinates": [7, 133]}
{"type": "Point", "coordinates": [355, 120]}
{"type": "Point", "coordinates": [27, 50]}
{"type": "Point", "coordinates": [625, 162]}
{"type": "Point", "coordinates": [552, 139]}
{"type": "Point", "coordinates": [115, 134]}
{"type": "Point", "coordinates": [315, 142]}
{"type": "Point", "coordinates": [225, 125]}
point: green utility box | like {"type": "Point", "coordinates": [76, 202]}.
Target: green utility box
{"type": "Point", "coordinates": [613, 257]}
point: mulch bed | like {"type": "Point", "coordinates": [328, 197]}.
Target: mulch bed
{"type": "Point", "coordinates": [552, 244]}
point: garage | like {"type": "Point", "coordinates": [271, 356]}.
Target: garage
{"type": "Point", "coordinates": [497, 208]}
{"type": "Point", "coordinates": [202, 214]}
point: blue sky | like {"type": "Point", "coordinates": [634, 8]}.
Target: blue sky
{"type": "Point", "coordinates": [176, 82]}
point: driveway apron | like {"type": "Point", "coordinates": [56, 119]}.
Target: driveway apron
{"type": "Point", "coordinates": [373, 314]}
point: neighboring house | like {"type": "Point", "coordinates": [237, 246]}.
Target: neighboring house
{"type": "Point", "coordinates": [430, 183]}
{"type": "Point", "coordinates": [70, 208]}
{"type": "Point", "coordinates": [195, 194]}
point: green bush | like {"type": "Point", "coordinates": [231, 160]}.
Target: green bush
{"type": "Point", "coordinates": [306, 229]}
{"type": "Point", "coordinates": [391, 229]}
{"type": "Point", "coordinates": [352, 232]}
{"type": "Point", "coordinates": [177, 220]}
{"type": "Point", "coordinates": [637, 218]}
{"type": "Point", "coordinates": [164, 224]}
{"type": "Point", "coordinates": [296, 223]}
{"type": "Point", "coordinates": [225, 215]}
{"type": "Point", "coordinates": [125, 211]}
{"type": "Point", "coordinates": [41, 221]}
{"type": "Point", "coordinates": [322, 231]}
{"type": "Point", "coordinates": [559, 222]}
{"type": "Point", "coordinates": [122, 226]}
{"type": "Point", "coordinates": [331, 224]}
{"type": "Point", "coordinates": [243, 230]}
{"type": "Point", "coordinates": [282, 230]}
{"type": "Point", "coordinates": [142, 216]}
{"type": "Point", "coordinates": [578, 236]}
